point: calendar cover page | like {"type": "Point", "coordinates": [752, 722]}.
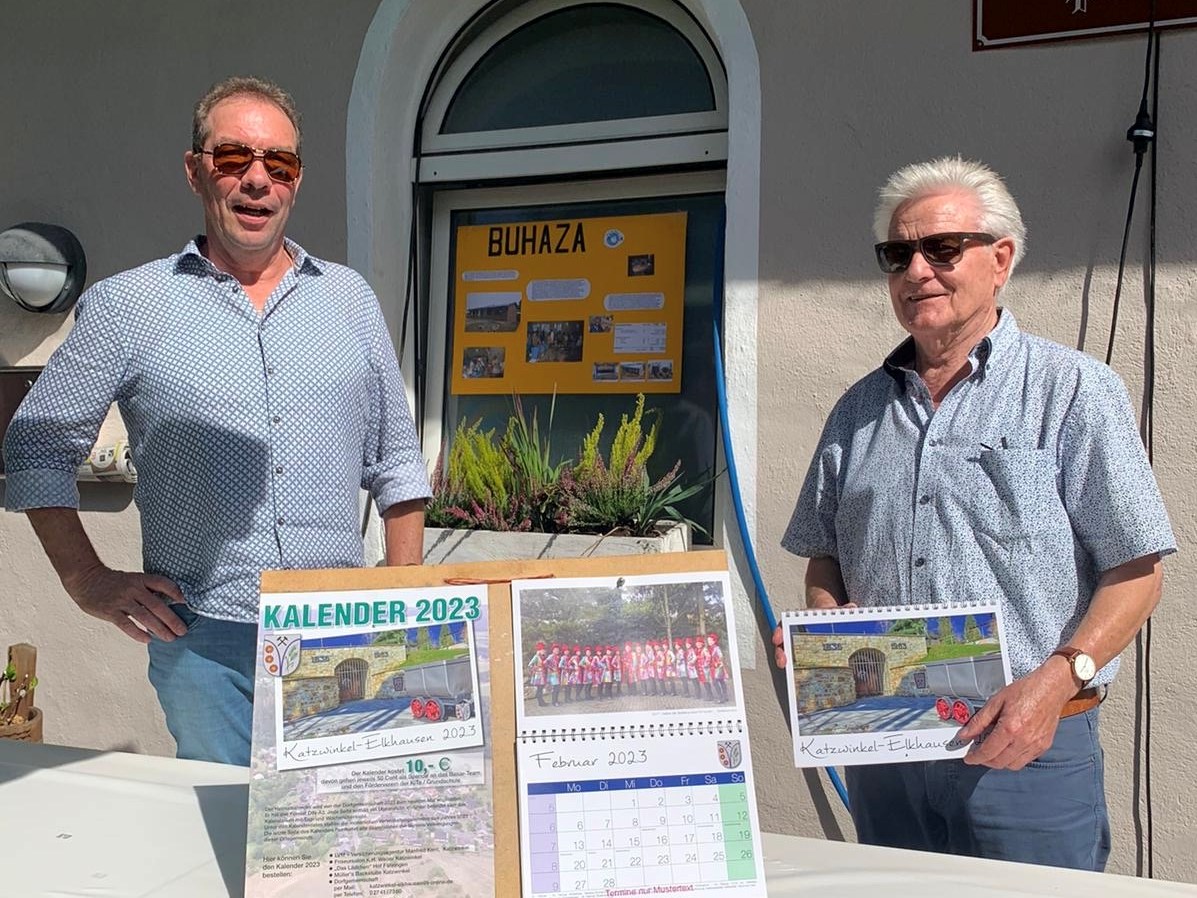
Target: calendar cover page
{"type": "Point", "coordinates": [371, 766]}
{"type": "Point", "coordinates": [634, 766]}
{"type": "Point", "coordinates": [886, 685]}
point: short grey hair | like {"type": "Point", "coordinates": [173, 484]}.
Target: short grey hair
{"type": "Point", "coordinates": [999, 213]}
{"type": "Point", "coordinates": [242, 86]}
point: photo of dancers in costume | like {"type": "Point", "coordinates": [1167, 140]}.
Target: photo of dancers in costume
{"type": "Point", "coordinates": [642, 647]}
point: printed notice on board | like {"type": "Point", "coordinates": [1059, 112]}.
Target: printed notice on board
{"type": "Point", "coordinates": [371, 763]}
{"type": "Point", "coordinates": [589, 305]}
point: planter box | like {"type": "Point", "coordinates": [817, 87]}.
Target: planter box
{"type": "Point", "coordinates": [29, 731]}
{"type": "Point", "coordinates": [445, 546]}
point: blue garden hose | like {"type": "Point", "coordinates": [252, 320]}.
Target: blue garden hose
{"type": "Point", "coordinates": [734, 483]}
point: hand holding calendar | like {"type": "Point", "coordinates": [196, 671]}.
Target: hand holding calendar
{"type": "Point", "coordinates": [883, 685]}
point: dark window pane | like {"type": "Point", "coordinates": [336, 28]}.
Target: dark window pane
{"type": "Point", "coordinates": [606, 62]}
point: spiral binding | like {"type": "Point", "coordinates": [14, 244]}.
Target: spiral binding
{"type": "Point", "coordinates": [633, 731]}
{"type": "Point", "coordinates": [885, 610]}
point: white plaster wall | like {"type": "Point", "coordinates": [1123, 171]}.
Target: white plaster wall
{"type": "Point", "coordinates": [851, 91]}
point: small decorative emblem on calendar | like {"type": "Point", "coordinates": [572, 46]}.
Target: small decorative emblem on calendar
{"type": "Point", "coordinates": [729, 753]}
{"type": "Point", "coordinates": [280, 654]}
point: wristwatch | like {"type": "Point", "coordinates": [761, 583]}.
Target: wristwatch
{"type": "Point", "coordinates": [1083, 667]}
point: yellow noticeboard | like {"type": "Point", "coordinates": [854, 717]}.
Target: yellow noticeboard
{"type": "Point", "coordinates": [584, 305]}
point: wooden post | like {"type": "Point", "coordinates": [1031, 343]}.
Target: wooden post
{"type": "Point", "coordinates": [23, 657]}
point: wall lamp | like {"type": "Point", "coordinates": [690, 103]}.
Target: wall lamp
{"type": "Point", "coordinates": [42, 266]}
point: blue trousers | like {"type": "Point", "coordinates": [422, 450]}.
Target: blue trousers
{"type": "Point", "coordinates": [1052, 812]}
{"type": "Point", "coordinates": [205, 684]}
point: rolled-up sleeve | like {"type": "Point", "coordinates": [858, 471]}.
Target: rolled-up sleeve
{"type": "Point", "coordinates": [393, 467]}
{"type": "Point", "coordinates": [56, 425]}
{"type": "Point", "coordinates": [1109, 488]}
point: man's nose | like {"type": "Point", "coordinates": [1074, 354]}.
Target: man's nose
{"type": "Point", "coordinates": [256, 177]}
{"type": "Point", "coordinates": [919, 269]}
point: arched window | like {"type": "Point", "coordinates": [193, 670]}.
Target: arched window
{"type": "Point", "coordinates": [579, 112]}
{"type": "Point", "coordinates": [555, 87]}
{"type": "Point", "coordinates": [407, 188]}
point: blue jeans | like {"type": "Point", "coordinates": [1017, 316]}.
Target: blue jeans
{"type": "Point", "coordinates": [205, 684]}
{"type": "Point", "coordinates": [1053, 811]}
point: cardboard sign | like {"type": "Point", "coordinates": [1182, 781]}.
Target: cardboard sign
{"type": "Point", "coordinates": [587, 305]}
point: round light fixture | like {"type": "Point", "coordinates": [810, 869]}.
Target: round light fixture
{"type": "Point", "coordinates": [42, 266]}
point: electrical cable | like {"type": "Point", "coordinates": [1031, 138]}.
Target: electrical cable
{"type": "Point", "coordinates": [1130, 211]}
{"type": "Point", "coordinates": [734, 479]}
{"type": "Point", "coordinates": [1142, 134]}
{"type": "Point", "coordinates": [1148, 435]}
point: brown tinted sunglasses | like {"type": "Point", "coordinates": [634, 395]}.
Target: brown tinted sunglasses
{"type": "Point", "coordinates": [236, 158]}
{"type": "Point", "coordinates": [940, 250]}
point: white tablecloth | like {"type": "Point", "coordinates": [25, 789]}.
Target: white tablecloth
{"type": "Point", "coordinates": [115, 825]}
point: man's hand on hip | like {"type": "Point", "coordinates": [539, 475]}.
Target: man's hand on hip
{"type": "Point", "coordinates": [138, 604]}
{"type": "Point", "coordinates": [1018, 723]}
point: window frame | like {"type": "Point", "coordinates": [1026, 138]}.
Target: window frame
{"type": "Point", "coordinates": [445, 202]}
{"type": "Point", "coordinates": [676, 139]}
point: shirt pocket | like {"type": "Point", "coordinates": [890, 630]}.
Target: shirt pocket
{"type": "Point", "coordinates": [1016, 496]}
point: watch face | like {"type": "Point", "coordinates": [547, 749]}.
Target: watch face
{"type": "Point", "coordinates": [1084, 667]}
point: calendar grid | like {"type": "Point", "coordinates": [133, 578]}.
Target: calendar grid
{"type": "Point", "coordinates": [611, 833]}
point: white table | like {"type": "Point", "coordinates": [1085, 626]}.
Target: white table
{"type": "Point", "coordinates": [111, 824]}
{"type": "Point", "coordinates": [811, 868]}
{"type": "Point", "coordinates": [115, 825]}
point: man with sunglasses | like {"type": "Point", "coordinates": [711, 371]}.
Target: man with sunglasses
{"type": "Point", "coordinates": [261, 394]}
{"type": "Point", "coordinates": [980, 463]}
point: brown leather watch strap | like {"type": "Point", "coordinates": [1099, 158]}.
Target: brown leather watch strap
{"type": "Point", "coordinates": [1066, 652]}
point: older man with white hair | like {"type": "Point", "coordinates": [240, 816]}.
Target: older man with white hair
{"type": "Point", "coordinates": [977, 463]}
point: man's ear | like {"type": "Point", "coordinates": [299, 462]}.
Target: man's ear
{"type": "Point", "coordinates": [1003, 255]}
{"type": "Point", "coordinates": [191, 162]}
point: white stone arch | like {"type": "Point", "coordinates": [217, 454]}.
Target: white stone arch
{"type": "Point", "coordinates": [399, 55]}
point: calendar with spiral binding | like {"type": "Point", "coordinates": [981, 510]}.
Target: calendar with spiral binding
{"type": "Point", "coordinates": [892, 684]}
{"type": "Point", "coordinates": [633, 763]}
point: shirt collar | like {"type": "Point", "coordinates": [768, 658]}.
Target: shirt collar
{"type": "Point", "coordinates": [995, 345]}
{"type": "Point", "coordinates": [190, 259]}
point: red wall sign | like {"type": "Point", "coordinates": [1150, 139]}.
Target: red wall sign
{"type": "Point", "coordinates": [1002, 23]}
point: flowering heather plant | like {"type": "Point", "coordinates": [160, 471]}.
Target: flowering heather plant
{"type": "Point", "coordinates": [511, 484]}
{"type": "Point", "coordinates": [617, 495]}
{"type": "Point", "coordinates": [475, 490]}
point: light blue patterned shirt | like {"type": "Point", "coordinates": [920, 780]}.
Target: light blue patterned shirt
{"type": "Point", "coordinates": [1025, 484]}
{"type": "Point", "coordinates": [252, 434]}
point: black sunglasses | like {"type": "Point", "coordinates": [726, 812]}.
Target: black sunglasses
{"type": "Point", "coordinates": [940, 250]}
{"type": "Point", "coordinates": [236, 158]}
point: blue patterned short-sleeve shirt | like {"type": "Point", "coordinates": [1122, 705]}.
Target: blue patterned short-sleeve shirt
{"type": "Point", "coordinates": [1027, 483]}
{"type": "Point", "coordinates": [252, 433]}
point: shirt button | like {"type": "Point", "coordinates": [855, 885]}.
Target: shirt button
{"type": "Point", "coordinates": [932, 442]}
{"type": "Point", "coordinates": [270, 370]}
{"type": "Point", "coordinates": [918, 562]}
{"type": "Point", "coordinates": [278, 469]}
{"type": "Point", "coordinates": [280, 522]}
{"type": "Point", "coordinates": [275, 419]}
{"type": "Point", "coordinates": [924, 499]}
